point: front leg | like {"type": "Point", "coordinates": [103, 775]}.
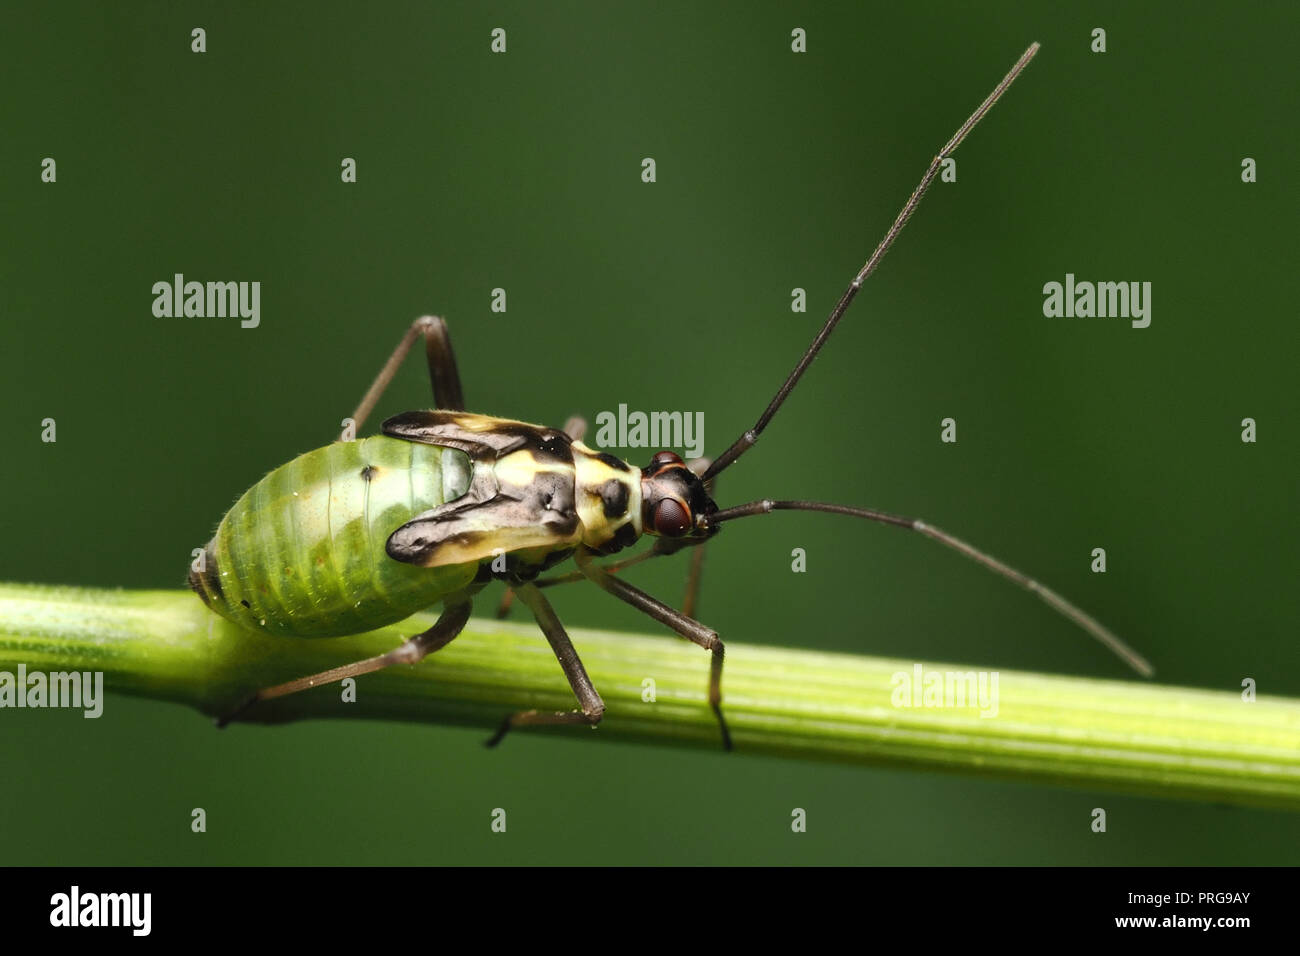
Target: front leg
{"type": "Point", "coordinates": [687, 627]}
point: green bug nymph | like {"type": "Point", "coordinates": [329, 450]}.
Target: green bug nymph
{"type": "Point", "coordinates": [361, 534]}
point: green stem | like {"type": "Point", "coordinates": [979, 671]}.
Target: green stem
{"type": "Point", "coordinates": [1137, 737]}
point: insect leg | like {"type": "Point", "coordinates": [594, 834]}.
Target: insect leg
{"type": "Point", "coordinates": [613, 568]}
{"type": "Point", "coordinates": [592, 706]}
{"type": "Point", "coordinates": [699, 466]}
{"type": "Point", "coordinates": [692, 599]}
{"type": "Point", "coordinates": [411, 651]}
{"type": "Point", "coordinates": [662, 546]}
{"type": "Point", "coordinates": [443, 376]}
{"type": "Point", "coordinates": [507, 599]}
{"type": "Point", "coordinates": [575, 428]}
{"type": "Point", "coordinates": [687, 627]}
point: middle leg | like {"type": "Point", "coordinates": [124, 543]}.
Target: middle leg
{"type": "Point", "coordinates": [592, 707]}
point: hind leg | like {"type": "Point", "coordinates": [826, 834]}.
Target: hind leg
{"type": "Point", "coordinates": [444, 377]}
{"type": "Point", "coordinates": [411, 651]}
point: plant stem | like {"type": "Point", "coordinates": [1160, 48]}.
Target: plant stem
{"type": "Point", "coordinates": [1136, 737]}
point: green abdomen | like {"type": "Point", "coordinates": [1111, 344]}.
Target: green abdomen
{"type": "Point", "coordinates": [302, 552]}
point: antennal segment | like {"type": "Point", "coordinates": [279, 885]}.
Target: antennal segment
{"type": "Point", "coordinates": [747, 440]}
{"type": "Point", "coordinates": [1049, 597]}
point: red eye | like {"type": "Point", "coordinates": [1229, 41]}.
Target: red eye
{"type": "Point", "coordinates": [671, 518]}
{"type": "Point", "coordinates": [664, 458]}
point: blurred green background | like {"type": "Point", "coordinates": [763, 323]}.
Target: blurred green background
{"type": "Point", "coordinates": [775, 171]}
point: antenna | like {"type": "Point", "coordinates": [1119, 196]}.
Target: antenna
{"type": "Point", "coordinates": [747, 440]}
{"type": "Point", "coordinates": [1050, 597]}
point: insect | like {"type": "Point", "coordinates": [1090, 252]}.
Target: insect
{"type": "Point", "coordinates": [363, 533]}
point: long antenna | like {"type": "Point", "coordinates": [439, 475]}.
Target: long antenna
{"type": "Point", "coordinates": [747, 440]}
{"type": "Point", "coordinates": [1050, 597]}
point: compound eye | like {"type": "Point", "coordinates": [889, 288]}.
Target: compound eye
{"type": "Point", "coordinates": [672, 520]}
{"type": "Point", "coordinates": [664, 458]}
